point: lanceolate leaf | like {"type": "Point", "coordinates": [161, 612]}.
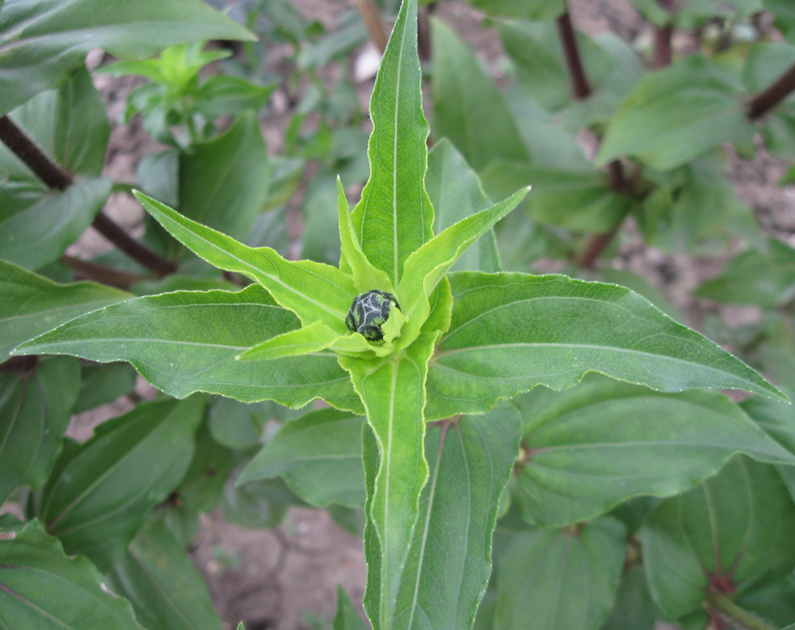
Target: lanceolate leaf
{"type": "Point", "coordinates": [99, 491]}
{"type": "Point", "coordinates": [313, 291]}
{"type": "Point", "coordinates": [312, 338]}
{"type": "Point", "coordinates": [602, 442]}
{"type": "Point", "coordinates": [394, 216]}
{"type": "Point", "coordinates": [320, 457]}
{"type": "Point", "coordinates": [560, 578]}
{"type": "Point", "coordinates": [31, 304]}
{"type": "Point", "coordinates": [456, 193]}
{"type": "Point", "coordinates": [157, 576]}
{"type": "Point", "coordinates": [512, 332]}
{"type": "Point", "coordinates": [34, 412]}
{"type": "Point", "coordinates": [449, 564]}
{"type": "Point", "coordinates": [43, 41]}
{"type": "Point", "coordinates": [41, 587]}
{"type": "Point", "coordinates": [185, 342]}
{"type": "Point", "coordinates": [427, 266]}
{"type": "Point", "coordinates": [731, 532]}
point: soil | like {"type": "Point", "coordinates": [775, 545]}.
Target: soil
{"type": "Point", "coordinates": [279, 580]}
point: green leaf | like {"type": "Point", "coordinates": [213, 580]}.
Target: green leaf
{"type": "Point", "coordinates": [37, 234]}
{"type": "Point", "coordinates": [467, 107]}
{"type": "Point", "coordinates": [733, 531]}
{"type": "Point", "coordinates": [784, 17]}
{"type": "Point", "coordinates": [634, 609]}
{"type": "Point", "coordinates": [426, 267]}
{"type": "Point", "coordinates": [366, 276]}
{"type": "Point", "coordinates": [313, 291]}
{"type": "Point", "coordinates": [560, 578]}
{"type": "Point", "coordinates": [347, 617]}
{"type": "Point", "coordinates": [689, 204]}
{"type": "Point", "coordinates": [603, 442]}
{"type": "Point", "coordinates": [166, 590]}
{"type": "Point", "coordinates": [393, 394]}
{"type": "Point", "coordinates": [34, 412]}
{"type": "Point", "coordinates": [166, 338]}
{"type": "Point", "coordinates": [102, 384]}
{"type": "Point", "coordinates": [43, 41]}
{"type": "Point", "coordinates": [450, 559]}
{"type": "Point", "coordinates": [761, 278]}
{"type": "Point", "coordinates": [774, 601]}
{"type": "Point", "coordinates": [221, 95]}
{"type": "Point", "coordinates": [41, 587]}
{"type": "Point", "coordinates": [456, 193]}
{"type": "Point", "coordinates": [677, 114]}
{"type": "Point", "coordinates": [777, 419]}
{"type": "Point", "coordinates": [259, 504]}
{"type": "Point", "coordinates": [537, 51]}
{"type": "Point", "coordinates": [69, 124]}
{"type": "Point", "coordinates": [307, 340]}
{"type": "Point", "coordinates": [512, 332]}
{"type": "Point", "coordinates": [394, 216]}
{"type": "Point", "coordinates": [522, 9]}
{"type": "Point", "coordinates": [320, 457]}
{"type": "Point", "coordinates": [99, 492]}
{"type": "Point", "coordinates": [223, 182]}
{"type": "Point", "coordinates": [31, 304]}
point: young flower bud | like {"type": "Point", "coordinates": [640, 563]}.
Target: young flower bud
{"type": "Point", "coordinates": [369, 311]}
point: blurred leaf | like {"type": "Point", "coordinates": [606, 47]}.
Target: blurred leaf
{"type": "Point", "coordinates": [166, 590]}
{"type": "Point", "coordinates": [221, 95]}
{"type": "Point", "coordinates": [158, 176]}
{"type": "Point", "coordinates": [347, 617]}
{"type": "Point", "coordinates": [99, 492]}
{"type": "Point", "coordinates": [731, 532]}
{"type": "Point", "coordinates": [560, 578]}
{"type": "Point", "coordinates": [259, 504]}
{"type": "Point", "coordinates": [774, 601]}
{"type": "Point", "coordinates": [450, 559]}
{"type": "Point", "coordinates": [456, 193]}
{"type": "Point", "coordinates": [652, 11]}
{"type": "Point", "coordinates": [35, 408]}
{"type": "Point", "coordinates": [512, 332]}
{"type": "Point", "coordinates": [102, 384]}
{"type": "Point", "coordinates": [321, 240]}
{"type": "Point", "coordinates": [44, 588]}
{"type": "Point", "coordinates": [537, 51]}
{"type": "Point", "coordinates": [464, 98]}
{"type": "Point", "coordinates": [223, 182]}
{"type": "Point", "coordinates": [165, 338]}
{"type": "Point", "coordinates": [761, 278]}
{"type": "Point", "coordinates": [602, 442]}
{"type": "Point", "coordinates": [634, 609]}
{"type": "Point", "coordinates": [69, 124]}
{"type": "Point", "coordinates": [43, 41]}
{"type": "Point", "coordinates": [522, 9]}
{"type": "Point", "coordinates": [350, 33]}
{"type": "Point", "coordinates": [319, 455]}
{"type": "Point", "coordinates": [776, 418]}
{"type": "Point", "coordinates": [784, 16]}
{"type": "Point", "coordinates": [688, 205]}
{"type": "Point", "coordinates": [677, 114]}
{"type": "Point", "coordinates": [31, 304]}
{"type": "Point", "coordinates": [36, 235]}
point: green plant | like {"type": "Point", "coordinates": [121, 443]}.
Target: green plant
{"type": "Point", "coordinates": [448, 429]}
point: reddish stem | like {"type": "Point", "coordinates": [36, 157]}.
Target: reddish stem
{"type": "Point", "coordinates": [54, 177]}
{"type": "Point", "coordinates": [763, 102]}
{"type": "Point", "coordinates": [581, 86]}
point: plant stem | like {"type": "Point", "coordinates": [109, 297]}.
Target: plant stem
{"type": "Point", "coordinates": [54, 177]}
{"type": "Point", "coordinates": [582, 89]}
{"type": "Point", "coordinates": [101, 273]}
{"type": "Point", "coordinates": [580, 84]}
{"type": "Point", "coordinates": [372, 20]}
{"type": "Point", "coordinates": [763, 102]}
{"type": "Point", "coordinates": [739, 618]}
{"type": "Point", "coordinates": [662, 38]}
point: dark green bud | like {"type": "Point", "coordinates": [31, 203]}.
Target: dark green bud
{"type": "Point", "coordinates": [369, 311]}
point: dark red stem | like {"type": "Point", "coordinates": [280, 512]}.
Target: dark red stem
{"type": "Point", "coordinates": [580, 84]}
{"type": "Point", "coordinates": [763, 102]}
{"type": "Point", "coordinates": [54, 177]}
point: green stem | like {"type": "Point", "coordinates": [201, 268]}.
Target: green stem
{"type": "Point", "coordinates": [738, 617]}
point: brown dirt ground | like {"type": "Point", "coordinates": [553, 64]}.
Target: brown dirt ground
{"type": "Point", "coordinates": [277, 580]}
